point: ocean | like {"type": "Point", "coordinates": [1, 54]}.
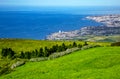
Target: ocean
{"type": "Point", "coordinates": [37, 24]}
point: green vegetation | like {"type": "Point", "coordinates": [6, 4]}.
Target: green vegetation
{"type": "Point", "coordinates": [29, 49]}
{"type": "Point", "coordinates": [15, 52]}
{"type": "Point", "coordinates": [19, 45]}
{"type": "Point", "coordinates": [9, 53]}
{"type": "Point", "coordinates": [115, 44]}
{"type": "Point", "coordinates": [94, 63]}
{"type": "Point", "coordinates": [110, 38]}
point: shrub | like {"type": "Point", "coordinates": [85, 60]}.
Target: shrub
{"type": "Point", "coordinates": [115, 44]}
{"type": "Point", "coordinates": [5, 69]}
{"type": "Point", "coordinates": [22, 55]}
{"type": "Point", "coordinates": [46, 52]}
{"type": "Point", "coordinates": [70, 46]}
{"type": "Point", "coordinates": [85, 44]}
{"type": "Point", "coordinates": [27, 55]}
{"type": "Point", "coordinates": [74, 44]}
{"type": "Point", "coordinates": [79, 46]}
{"type": "Point", "coordinates": [41, 52]}
{"type": "Point", "coordinates": [7, 52]}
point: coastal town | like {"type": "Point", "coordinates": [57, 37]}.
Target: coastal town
{"type": "Point", "coordinates": [111, 27]}
{"type": "Point", "coordinates": [108, 20]}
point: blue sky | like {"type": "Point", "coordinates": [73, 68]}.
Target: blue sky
{"type": "Point", "coordinates": [59, 2]}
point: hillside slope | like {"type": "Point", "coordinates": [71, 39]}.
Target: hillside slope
{"type": "Point", "coordinates": [95, 63]}
{"type": "Point", "coordinates": [19, 45]}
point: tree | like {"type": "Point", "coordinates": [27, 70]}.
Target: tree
{"type": "Point", "coordinates": [85, 44]}
{"type": "Point", "coordinates": [46, 52]}
{"type": "Point", "coordinates": [27, 55]}
{"type": "Point", "coordinates": [36, 53]}
{"type": "Point", "coordinates": [64, 47]}
{"type": "Point", "coordinates": [7, 52]}
{"type": "Point", "coordinates": [115, 44]}
{"type": "Point", "coordinates": [59, 49]}
{"type": "Point", "coordinates": [79, 46]}
{"type": "Point", "coordinates": [11, 53]}
{"type": "Point", "coordinates": [54, 48]}
{"type": "Point", "coordinates": [33, 54]}
{"type": "Point", "coordinates": [51, 50]}
{"type": "Point", "coordinates": [4, 52]}
{"type": "Point", "coordinates": [74, 44]}
{"type": "Point", "coordinates": [41, 53]}
{"type": "Point", "coordinates": [70, 46]}
{"type": "Point", "coordinates": [22, 55]}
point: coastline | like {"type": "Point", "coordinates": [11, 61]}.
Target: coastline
{"type": "Point", "coordinates": [111, 27]}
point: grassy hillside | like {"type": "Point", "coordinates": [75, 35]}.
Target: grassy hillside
{"type": "Point", "coordinates": [29, 45]}
{"type": "Point", "coordinates": [95, 63]}
{"type": "Point", "coordinates": [114, 38]}
{"type": "Point", "coordinates": [111, 38]}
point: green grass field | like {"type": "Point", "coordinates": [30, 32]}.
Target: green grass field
{"type": "Point", "coordinates": [114, 38]}
{"type": "Point", "coordinates": [110, 38]}
{"type": "Point", "coordinates": [19, 45]}
{"type": "Point", "coordinates": [94, 63]}
{"type": "Point", "coordinates": [28, 45]}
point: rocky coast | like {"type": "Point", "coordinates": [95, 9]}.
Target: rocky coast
{"type": "Point", "coordinates": [111, 27]}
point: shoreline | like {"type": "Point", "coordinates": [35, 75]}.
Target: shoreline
{"type": "Point", "coordinates": [111, 27]}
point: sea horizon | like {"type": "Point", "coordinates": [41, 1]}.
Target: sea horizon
{"type": "Point", "coordinates": [40, 22]}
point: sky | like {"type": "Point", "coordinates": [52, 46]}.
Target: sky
{"type": "Point", "coordinates": [59, 2]}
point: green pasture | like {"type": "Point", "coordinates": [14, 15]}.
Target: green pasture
{"type": "Point", "coordinates": [94, 63]}
{"type": "Point", "coordinates": [19, 45]}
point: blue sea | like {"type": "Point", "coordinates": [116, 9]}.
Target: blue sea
{"type": "Point", "coordinates": [37, 23]}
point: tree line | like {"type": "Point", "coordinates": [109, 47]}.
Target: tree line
{"type": "Point", "coordinates": [42, 52]}
{"type": "Point", "coordinates": [115, 44]}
